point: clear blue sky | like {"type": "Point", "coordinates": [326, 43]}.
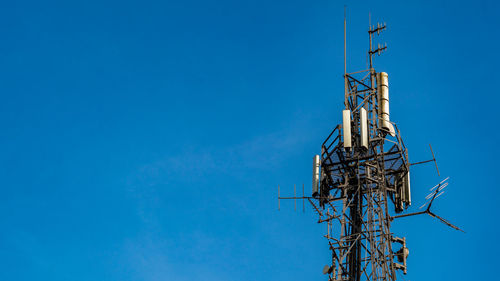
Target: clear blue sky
{"type": "Point", "coordinates": [145, 140]}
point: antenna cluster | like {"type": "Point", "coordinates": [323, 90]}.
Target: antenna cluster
{"type": "Point", "coordinates": [361, 177]}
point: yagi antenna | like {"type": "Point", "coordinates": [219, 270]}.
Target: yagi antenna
{"type": "Point", "coordinates": [436, 191]}
{"type": "Point", "coordinates": [294, 198]}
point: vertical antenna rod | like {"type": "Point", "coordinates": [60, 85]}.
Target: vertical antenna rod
{"type": "Point", "coordinates": [295, 196]}
{"type": "Point", "coordinates": [303, 196]}
{"type": "Point", "coordinates": [370, 33]}
{"type": "Point", "coordinates": [434, 158]}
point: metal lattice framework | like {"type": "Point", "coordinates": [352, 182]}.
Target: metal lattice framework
{"type": "Point", "coordinates": [356, 186]}
{"type": "Point", "coordinates": [364, 175]}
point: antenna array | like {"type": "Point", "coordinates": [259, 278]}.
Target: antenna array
{"type": "Point", "coordinates": [362, 176]}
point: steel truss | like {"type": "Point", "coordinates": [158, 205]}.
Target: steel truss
{"type": "Point", "coordinates": [361, 178]}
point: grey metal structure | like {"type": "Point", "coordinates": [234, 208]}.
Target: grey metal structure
{"type": "Point", "coordinates": [361, 177]}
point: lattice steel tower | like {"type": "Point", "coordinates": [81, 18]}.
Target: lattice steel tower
{"type": "Point", "coordinates": [362, 173]}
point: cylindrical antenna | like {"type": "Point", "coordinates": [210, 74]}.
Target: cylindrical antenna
{"type": "Point", "coordinates": [345, 61]}
{"type": "Point", "coordinates": [278, 197]}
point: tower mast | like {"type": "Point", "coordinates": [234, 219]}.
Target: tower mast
{"type": "Point", "coordinates": [362, 176]}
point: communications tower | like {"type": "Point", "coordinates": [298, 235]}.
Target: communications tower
{"type": "Point", "coordinates": [361, 180]}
